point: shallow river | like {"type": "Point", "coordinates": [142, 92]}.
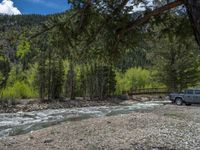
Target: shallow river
{"type": "Point", "coordinates": [24, 122]}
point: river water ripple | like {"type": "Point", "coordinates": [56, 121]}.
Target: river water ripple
{"type": "Point", "coordinates": [23, 122]}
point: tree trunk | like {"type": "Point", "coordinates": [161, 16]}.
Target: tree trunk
{"type": "Point", "coordinates": [193, 8]}
{"type": "Point", "coordinates": [70, 86]}
{"type": "Point", "coordinates": [49, 76]}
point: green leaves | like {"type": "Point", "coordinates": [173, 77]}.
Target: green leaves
{"type": "Point", "coordinates": [4, 71]}
{"type": "Point", "coordinates": [19, 89]}
{"type": "Point", "coordinates": [174, 53]}
{"type": "Point", "coordinates": [135, 78]}
{"type": "Point", "coordinates": [23, 49]}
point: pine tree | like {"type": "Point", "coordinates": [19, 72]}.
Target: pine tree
{"type": "Point", "coordinates": [42, 75]}
{"type": "Point", "coordinates": [4, 71]}
{"type": "Point", "coordinates": [70, 82]}
{"type": "Point", "coordinates": [177, 62]}
{"type": "Point", "coordinates": [57, 79]}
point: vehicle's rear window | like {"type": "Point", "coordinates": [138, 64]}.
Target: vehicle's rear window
{"type": "Point", "coordinates": [197, 92]}
{"type": "Point", "coordinates": [189, 92]}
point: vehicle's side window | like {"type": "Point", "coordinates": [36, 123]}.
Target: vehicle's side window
{"type": "Point", "coordinates": [197, 92]}
{"type": "Point", "coordinates": [189, 91]}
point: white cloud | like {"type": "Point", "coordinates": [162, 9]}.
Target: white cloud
{"type": "Point", "coordinates": [7, 7]}
{"type": "Point", "coordinates": [139, 6]}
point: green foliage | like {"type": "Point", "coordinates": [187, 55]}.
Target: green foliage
{"type": "Point", "coordinates": [102, 81]}
{"type": "Point", "coordinates": [135, 78]}
{"type": "Point", "coordinates": [94, 81]}
{"type": "Point", "coordinates": [71, 79]}
{"type": "Point", "coordinates": [19, 89]}
{"type": "Point", "coordinates": [4, 71]}
{"type": "Point", "coordinates": [31, 75]}
{"type": "Point", "coordinates": [23, 49]}
{"type": "Point", "coordinates": [84, 51]}
{"type": "Point", "coordinates": [57, 79]}
{"type": "Point", "coordinates": [175, 55]}
{"type": "Point", "coordinates": [50, 74]}
{"type": "Point", "coordinates": [23, 52]}
{"type": "Point", "coordinates": [135, 57]}
{"type": "Point", "coordinates": [105, 81]}
{"type": "Point", "coordinates": [178, 66]}
{"type": "Point", "coordinates": [20, 84]}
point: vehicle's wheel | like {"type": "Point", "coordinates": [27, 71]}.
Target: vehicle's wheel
{"type": "Point", "coordinates": [179, 101]}
{"type": "Point", "coordinates": [187, 104]}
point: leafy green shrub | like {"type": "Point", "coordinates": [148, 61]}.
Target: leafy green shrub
{"type": "Point", "coordinates": [121, 83]}
{"type": "Point", "coordinates": [135, 78]}
{"type": "Point", "coordinates": [20, 89]}
{"type": "Point", "coordinates": [20, 84]}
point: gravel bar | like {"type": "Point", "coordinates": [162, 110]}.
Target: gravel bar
{"type": "Point", "coordinates": [167, 127]}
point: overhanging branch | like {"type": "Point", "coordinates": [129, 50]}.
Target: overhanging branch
{"type": "Point", "coordinates": [132, 25]}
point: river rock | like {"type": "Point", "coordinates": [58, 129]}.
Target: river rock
{"type": "Point", "coordinates": [145, 99]}
{"type": "Point", "coordinates": [124, 96]}
{"type": "Point", "coordinates": [49, 140]}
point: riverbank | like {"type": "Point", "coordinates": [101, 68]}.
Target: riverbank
{"type": "Point", "coordinates": [165, 127]}
{"type": "Point", "coordinates": [27, 105]}
{"type": "Point", "coordinates": [35, 105]}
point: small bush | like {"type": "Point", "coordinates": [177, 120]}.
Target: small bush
{"type": "Point", "coordinates": [135, 78]}
{"type": "Point", "coordinates": [19, 90]}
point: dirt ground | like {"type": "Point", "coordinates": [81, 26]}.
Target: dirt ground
{"type": "Point", "coordinates": [167, 127]}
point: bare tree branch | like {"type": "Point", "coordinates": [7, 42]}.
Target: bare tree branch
{"type": "Point", "coordinates": [132, 25]}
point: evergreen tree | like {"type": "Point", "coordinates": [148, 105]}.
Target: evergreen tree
{"type": "Point", "coordinates": [100, 81]}
{"type": "Point", "coordinates": [175, 53]}
{"type": "Point", "coordinates": [178, 65]}
{"type": "Point", "coordinates": [57, 79]}
{"type": "Point", "coordinates": [4, 71]}
{"type": "Point", "coordinates": [22, 53]}
{"type": "Point", "coordinates": [70, 82]}
{"type": "Point", "coordinates": [42, 75]}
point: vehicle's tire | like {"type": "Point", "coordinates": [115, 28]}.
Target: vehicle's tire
{"type": "Point", "coordinates": [187, 104]}
{"type": "Point", "coordinates": [179, 101]}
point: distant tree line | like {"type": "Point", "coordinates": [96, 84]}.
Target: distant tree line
{"type": "Point", "coordinates": [66, 62]}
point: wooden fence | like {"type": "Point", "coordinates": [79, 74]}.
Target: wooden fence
{"type": "Point", "coordinates": [150, 91]}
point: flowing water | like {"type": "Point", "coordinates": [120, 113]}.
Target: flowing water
{"type": "Point", "coordinates": [23, 122]}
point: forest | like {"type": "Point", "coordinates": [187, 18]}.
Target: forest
{"type": "Point", "coordinates": [69, 80]}
{"type": "Point", "coordinates": [88, 53]}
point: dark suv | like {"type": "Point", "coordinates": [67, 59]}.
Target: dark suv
{"type": "Point", "coordinates": [189, 96]}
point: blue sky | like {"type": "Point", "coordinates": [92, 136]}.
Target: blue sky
{"type": "Point", "coordinates": [41, 6]}
{"type": "Point", "coordinates": [16, 7]}
{"type": "Point", "coordinates": [35, 6]}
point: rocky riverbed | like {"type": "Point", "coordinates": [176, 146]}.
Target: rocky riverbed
{"type": "Point", "coordinates": [163, 128]}
{"type": "Point", "coordinates": [35, 104]}
{"type": "Point", "coordinates": [27, 105]}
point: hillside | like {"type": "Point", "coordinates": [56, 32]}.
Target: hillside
{"type": "Point", "coordinates": [65, 62]}
{"type": "Point", "coordinates": [12, 28]}
{"type": "Point", "coordinates": [20, 21]}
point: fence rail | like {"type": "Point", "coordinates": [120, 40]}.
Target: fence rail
{"type": "Point", "coordinates": [150, 91]}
